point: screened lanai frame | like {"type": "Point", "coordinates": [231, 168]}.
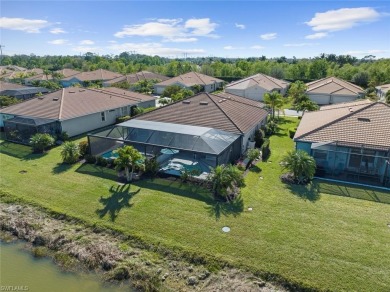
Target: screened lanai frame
{"type": "Point", "coordinates": [215, 146]}
{"type": "Point", "coordinates": [353, 162]}
{"type": "Point", "coordinates": [20, 129]}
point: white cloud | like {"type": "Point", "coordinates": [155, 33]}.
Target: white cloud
{"type": "Point", "coordinates": [23, 24]}
{"type": "Point", "coordinates": [171, 29]}
{"type": "Point", "coordinates": [300, 45]}
{"type": "Point", "coordinates": [86, 49]}
{"type": "Point", "coordinates": [58, 42]}
{"type": "Point", "coordinates": [240, 26]}
{"type": "Point", "coordinates": [268, 36]}
{"type": "Point", "coordinates": [153, 49]}
{"type": "Point", "coordinates": [57, 30]}
{"type": "Point", "coordinates": [367, 52]}
{"type": "Point", "coordinates": [233, 48]}
{"type": "Point", "coordinates": [181, 40]}
{"type": "Point", "coordinates": [316, 36]}
{"type": "Point", "coordinates": [87, 42]}
{"type": "Point", "coordinates": [257, 47]}
{"type": "Point", "coordinates": [341, 19]}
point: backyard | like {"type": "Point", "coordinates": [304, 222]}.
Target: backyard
{"type": "Point", "coordinates": [326, 236]}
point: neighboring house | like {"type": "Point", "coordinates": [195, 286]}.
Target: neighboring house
{"type": "Point", "coordinates": [91, 76]}
{"type": "Point", "coordinates": [205, 129]}
{"type": "Point", "coordinates": [254, 87]}
{"type": "Point", "coordinates": [73, 110]}
{"type": "Point", "coordinates": [136, 77]}
{"type": "Point", "coordinates": [381, 91]}
{"type": "Point", "coordinates": [20, 91]}
{"type": "Point", "coordinates": [332, 90]}
{"type": "Point", "coordinates": [64, 73]}
{"type": "Point", "coordinates": [349, 141]}
{"type": "Point", "coordinates": [188, 80]}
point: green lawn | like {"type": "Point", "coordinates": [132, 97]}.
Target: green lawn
{"type": "Point", "coordinates": [331, 237]}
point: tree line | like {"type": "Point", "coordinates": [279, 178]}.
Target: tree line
{"type": "Point", "coordinates": [365, 72]}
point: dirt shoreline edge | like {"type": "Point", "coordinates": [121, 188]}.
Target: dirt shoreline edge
{"type": "Point", "coordinates": [114, 257]}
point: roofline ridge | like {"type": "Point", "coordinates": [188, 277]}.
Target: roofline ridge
{"type": "Point", "coordinates": [113, 93]}
{"type": "Point", "coordinates": [200, 78]}
{"type": "Point", "coordinates": [62, 103]}
{"type": "Point", "coordinates": [243, 99]}
{"type": "Point", "coordinates": [338, 82]}
{"type": "Point", "coordinates": [208, 95]}
{"type": "Point", "coordinates": [336, 120]}
{"type": "Point", "coordinates": [268, 77]}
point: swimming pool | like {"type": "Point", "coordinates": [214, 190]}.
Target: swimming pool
{"type": "Point", "coordinates": [110, 155]}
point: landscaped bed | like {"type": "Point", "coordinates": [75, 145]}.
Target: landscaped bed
{"type": "Point", "coordinates": [320, 237]}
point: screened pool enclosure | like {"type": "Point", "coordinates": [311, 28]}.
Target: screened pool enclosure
{"type": "Point", "coordinates": [20, 129]}
{"type": "Point", "coordinates": [365, 164]}
{"type": "Point", "coordinates": [174, 145]}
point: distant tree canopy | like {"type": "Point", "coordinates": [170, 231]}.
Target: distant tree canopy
{"type": "Point", "coordinates": [366, 71]}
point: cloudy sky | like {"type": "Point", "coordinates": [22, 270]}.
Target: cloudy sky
{"type": "Point", "coordinates": [196, 28]}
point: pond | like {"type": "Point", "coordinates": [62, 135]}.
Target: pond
{"type": "Point", "coordinates": [19, 269]}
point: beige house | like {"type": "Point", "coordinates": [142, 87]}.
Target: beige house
{"type": "Point", "coordinates": [64, 73]}
{"type": "Point", "coordinates": [332, 90]}
{"type": "Point", "coordinates": [73, 110]}
{"type": "Point", "coordinates": [254, 87]}
{"type": "Point", "coordinates": [189, 80]}
{"type": "Point", "coordinates": [349, 141]}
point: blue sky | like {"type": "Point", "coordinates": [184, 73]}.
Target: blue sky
{"type": "Point", "coordinates": [197, 28]}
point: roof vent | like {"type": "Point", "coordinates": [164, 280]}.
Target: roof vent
{"type": "Point", "coordinates": [364, 120]}
{"type": "Point", "coordinates": [81, 90]}
{"type": "Point", "coordinates": [40, 97]}
{"type": "Point", "coordinates": [203, 103]}
{"type": "Point", "coordinates": [72, 91]}
{"type": "Point", "coordinates": [55, 98]}
{"type": "Point", "coordinates": [187, 101]}
{"type": "Point", "coordinates": [351, 109]}
{"type": "Point", "coordinates": [221, 100]}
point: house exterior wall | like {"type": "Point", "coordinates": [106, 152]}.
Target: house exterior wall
{"type": "Point", "coordinates": [255, 93]}
{"type": "Point", "coordinates": [305, 146]}
{"type": "Point", "coordinates": [250, 135]}
{"type": "Point", "coordinates": [323, 99]}
{"type": "Point", "coordinates": [320, 99]}
{"type": "Point", "coordinates": [91, 122]}
{"type": "Point", "coordinates": [344, 98]}
{"type": "Point", "coordinates": [71, 82]}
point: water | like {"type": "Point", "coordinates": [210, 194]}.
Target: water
{"type": "Point", "coordinates": [18, 268]}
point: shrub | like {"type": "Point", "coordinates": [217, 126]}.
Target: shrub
{"type": "Point", "coordinates": [151, 166]}
{"type": "Point", "coordinates": [122, 119]}
{"type": "Point", "coordinates": [265, 149]}
{"type": "Point", "coordinates": [84, 148]}
{"type": "Point", "coordinates": [63, 136]}
{"type": "Point", "coordinates": [90, 159]}
{"type": "Point", "coordinates": [70, 152]}
{"type": "Point", "coordinates": [291, 132]}
{"type": "Point", "coordinates": [101, 161]}
{"type": "Point", "coordinates": [39, 142]}
{"type": "Point", "coordinates": [252, 155]}
{"type": "Point", "coordinates": [300, 164]}
{"type": "Point", "coordinates": [271, 128]}
{"type": "Point", "coordinates": [259, 138]}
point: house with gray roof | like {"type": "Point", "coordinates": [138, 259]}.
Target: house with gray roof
{"type": "Point", "coordinates": [73, 110]}
{"type": "Point", "coordinates": [190, 79]}
{"type": "Point", "coordinates": [332, 90]}
{"type": "Point", "coordinates": [254, 87]}
{"type": "Point", "coordinates": [20, 91]}
{"type": "Point", "coordinates": [349, 141]}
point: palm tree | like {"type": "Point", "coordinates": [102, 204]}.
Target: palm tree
{"type": "Point", "coordinates": [224, 178]}
{"type": "Point", "coordinates": [273, 99]}
{"type": "Point", "coordinates": [39, 142]}
{"type": "Point", "coordinates": [70, 152]}
{"type": "Point", "coordinates": [300, 164]}
{"type": "Point", "coordinates": [128, 157]}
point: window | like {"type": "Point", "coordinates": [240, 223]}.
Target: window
{"type": "Point", "coordinates": [103, 115]}
{"type": "Point", "coordinates": [320, 154]}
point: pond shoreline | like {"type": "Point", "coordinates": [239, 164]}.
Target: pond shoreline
{"type": "Point", "coordinates": [115, 258]}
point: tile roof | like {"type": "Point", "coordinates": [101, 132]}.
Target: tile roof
{"type": "Point", "coordinates": [10, 86]}
{"type": "Point", "coordinates": [264, 81]}
{"type": "Point", "coordinates": [72, 102]}
{"type": "Point", "coordinates": [362, 123]}
{"type": "Point", "coordinates": [248, 101]}
{"type": "Point", "coordinates": [190, 79]}
{"type": "Point", "coordinates": [210, 110]}
{"type": "Point", "coordinates": [99, 74]}
{"type": "Point", "coordinates": [333, 85]}
{"type": "Point", "coordinates": [133, 78]}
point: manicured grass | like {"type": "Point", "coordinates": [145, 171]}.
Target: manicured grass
{"type": "Point", "coordinates": [320, 236]}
